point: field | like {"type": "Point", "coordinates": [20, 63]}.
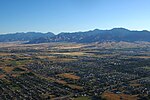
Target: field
{"type": "Point", "coordinates": [112, 96]}
{"type": "Point", "coordinates": [69, 75]}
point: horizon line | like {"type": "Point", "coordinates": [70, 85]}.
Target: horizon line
{"type": "Point", "coordinates": [44, 32]}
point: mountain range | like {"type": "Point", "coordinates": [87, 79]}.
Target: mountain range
{"type": "Point", "coordinates": [29, 36]}
{"type": "Point", "coordinates": [115, 34]}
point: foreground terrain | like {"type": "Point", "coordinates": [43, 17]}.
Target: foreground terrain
{"type": "Point", "coordinates": [96, 71]}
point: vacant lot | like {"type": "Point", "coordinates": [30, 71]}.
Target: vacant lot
{"type": "Point", "coordinates": [112, 96]}
{"type": "Point", "coordinates": [69, 75]}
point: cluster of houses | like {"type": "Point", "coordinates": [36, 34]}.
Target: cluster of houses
{"type": "Point", "coordinates": [118, 74]}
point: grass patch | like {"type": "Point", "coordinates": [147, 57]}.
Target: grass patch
{"type": "Point", "coordinates": [8, 69]}
{"type": "Point", "coordinates": [69, 76]}
{"type": "Point", "coordinates": [147, 68]}
{"type": "Point", "coordinates": [75, 87]}
{"type": "Point", "coordinates": [2, 76]}
{"type": "Point", "coordinates": [113, 96]}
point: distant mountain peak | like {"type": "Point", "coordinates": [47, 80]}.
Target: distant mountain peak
{"type": "Point", "coordinates": [95, 30]}
{"type": "Point", "coordinates": [120, 29]}
{"type": "Point", "coordinates": [145, 30]}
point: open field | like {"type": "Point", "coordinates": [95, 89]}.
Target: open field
{"type": "Point", "coordinates": [69, 75]}
{"type": "Point", "coordinates": [112, 96]}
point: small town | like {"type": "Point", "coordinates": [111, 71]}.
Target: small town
{"type": "Point", "coordinates": [74, 71]}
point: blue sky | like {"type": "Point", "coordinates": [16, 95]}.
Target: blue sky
{"type": "Point", "coordinates": [73, 15]}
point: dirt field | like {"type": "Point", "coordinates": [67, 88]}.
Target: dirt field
{"type": "Point", "coordinates": [69, 75]}
{"type": "Point", "coordinates": [112, 96]}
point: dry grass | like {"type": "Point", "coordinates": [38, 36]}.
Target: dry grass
{"type": "Point", "coordinates": [143, 57]}
{"type": "Point", "coordinates": [8, 69]}
{"type": "Point", "coordinates": [105, 55]}
{"type": "Point", "coordinates": [49, 57]}
{"type": "Point", "coordinates": [64, 60]}
{"type": "Point", "coordinates": [69, 85]}
{"type": "Point", "coordinates": [147, 67]}
{"type": "Point", "coordinates": [112, 96]}
{"type": "Point", "coordinates": [15, 75]}
{"type": "Point", "coordinates": [5, 54]}
{"type": "Point", "coordinates": [57, 80]}
{"type": "Point", "coordinates": [61, 82]}
{"type": "Point", "coordinates": [69, 75]}
{"type": "Point", "coordinates": [135, 85]}
{"type": "Point", "coordinates": [68, 46]}
{"type": "Point", "coordinates": [75, 87]}
{"type": "Point", "coordinates": [55, 59]}
{"type": "Point", "coordinates": [2, 45]}
{"type": "Point", "coordinates": [2, 76]}
{"type": "Point", "coordinates": [72, 53]}
{"type": "Point", "coordinates": [18, 74]}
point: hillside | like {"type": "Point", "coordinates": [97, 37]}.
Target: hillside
{"type": "Point", "coordinates": [24, 36]}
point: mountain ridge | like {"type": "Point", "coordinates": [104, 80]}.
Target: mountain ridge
{"type": "Point", "coordinates": [28, 36]}
{"type": "Point", "coordinates": [115, 34]}
{"type": "Point", "coordinates": [96, 35]}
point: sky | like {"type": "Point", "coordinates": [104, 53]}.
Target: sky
{"type": "Point", "coordinates": [73, 15]}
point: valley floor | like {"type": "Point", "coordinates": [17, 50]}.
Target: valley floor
{"type": "Point", "coordinates": [71, 71]}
